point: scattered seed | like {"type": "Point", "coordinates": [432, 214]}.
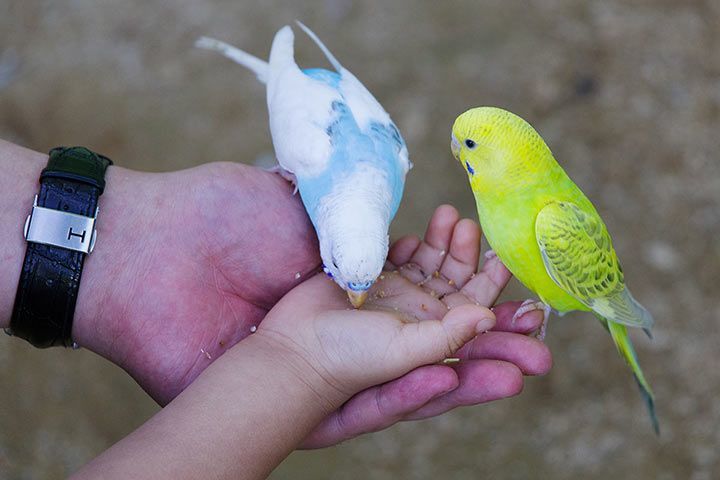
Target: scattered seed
{"type": "Point", "coordinates": [382, 277]}
{"type": "Point", "coordinates": [436, 274]}
{"type": "Point", "coordinates": [442, 253]}
{"type": "Point", "coordinates": [221, 343]}
{"type": "Point", "coordinates": [297, 275]}
{"type": "Point", "coordinates": [253, 329]}
{"type": "Point", "coordinates": [451, 282]}
{"type": "Point", "coordinates": [433, 293]}
{"type": "Point", "coordinates": [381, 294]}
{"type": "Point", "coordinates": [451, 361]}
{"type": "Point", "coordinates": [206, 354]}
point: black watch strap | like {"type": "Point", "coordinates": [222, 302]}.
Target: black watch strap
{"type": "Point", "coordinates": [57, 245]}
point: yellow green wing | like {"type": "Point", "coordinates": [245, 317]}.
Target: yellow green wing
{"type": "Point", "coordinates": [579, 257]}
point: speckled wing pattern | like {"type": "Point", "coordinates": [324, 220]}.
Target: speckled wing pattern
{"type": "Point", "coordinates": [579, 257]}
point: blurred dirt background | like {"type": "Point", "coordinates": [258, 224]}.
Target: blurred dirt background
{"type": "Point", "coordinates": [626, 93]}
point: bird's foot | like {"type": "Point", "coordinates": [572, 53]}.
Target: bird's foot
{"type": "Point", "coordinates": [530, 305]}
{"type": "Point", "coordinates": [289, 176]}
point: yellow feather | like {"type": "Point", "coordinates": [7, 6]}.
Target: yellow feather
{"type": "Point", "coordinates": [541, 225]}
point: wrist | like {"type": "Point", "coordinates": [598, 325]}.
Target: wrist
{"type": "Point", "coordinates": [97, 325]}
{"type": "Point", "coordinates": [301, 369]}
{"type": "Point", "coordinates": [18, 186]}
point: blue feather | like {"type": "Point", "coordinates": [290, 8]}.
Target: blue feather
{"type": "Point", "coordinates": [352, 148]}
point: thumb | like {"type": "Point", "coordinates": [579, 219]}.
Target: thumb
{"type": "Point", "coordinates": [432, 341]}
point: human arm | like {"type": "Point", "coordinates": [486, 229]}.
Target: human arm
{"type": "Point", "coordinates": [187, 262]}
{"type": "Point", "coordinates": [258, 402]}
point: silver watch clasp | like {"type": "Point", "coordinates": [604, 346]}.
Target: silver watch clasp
{"type": "Point", "coordinates": [60, 229]}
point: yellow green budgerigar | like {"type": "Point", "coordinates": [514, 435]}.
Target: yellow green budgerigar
{"type": "Point", "coordinates": [544, 229]}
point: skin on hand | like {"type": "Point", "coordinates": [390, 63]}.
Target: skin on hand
{"type": "Point", "coordinates": [313, 352]}
{"type": "Point", "coordinates": [165, 304]}
{"type": "Point", "coordinates": [493, 364]}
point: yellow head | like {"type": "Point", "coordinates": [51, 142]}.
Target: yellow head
{"type": "Point", "coordinates": [499, 150]}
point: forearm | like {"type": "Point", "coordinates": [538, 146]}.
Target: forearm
{"type": "Point", "coordinates": [18, 185]}
{"type": "Point", "coordinates": [239, 419]}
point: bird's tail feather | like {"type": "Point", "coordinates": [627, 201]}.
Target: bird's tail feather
{"type": "Point", "coordinates": [625, 348]}
{"type": "Point", "coordinates": [282, 50]}
{"type": "Point", "coordinates": [331, 58]}
{"type": "Point", "coordinates": [251, 62]}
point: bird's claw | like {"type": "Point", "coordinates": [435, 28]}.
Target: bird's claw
{"type": "Point", "coordinates": [289, 176]}
{"type": "Point", "coordinates": [530, 305]}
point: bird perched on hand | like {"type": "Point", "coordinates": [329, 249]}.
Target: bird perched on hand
{"type": "Point", "coordinates": [342, 151]}
{"type": "Point", "coordinates": [544, 229]}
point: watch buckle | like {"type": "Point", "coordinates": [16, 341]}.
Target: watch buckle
{"type": "Point", "coordinates": [60, 229]}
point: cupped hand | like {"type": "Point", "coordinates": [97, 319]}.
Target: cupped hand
{"type": "Point", "coordinates": [424, 280]}
{"type": "Point", "coordinates": [428, 305]}
{"type": "Point", "coordinates": [188, 263]}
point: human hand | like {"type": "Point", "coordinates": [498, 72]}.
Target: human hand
{"type": "Point", "coordinates": [384, 339]}
{"type": "Point", "coordinates": [188, 262]}
{"type": "Point", "coordinates": [185, 265]}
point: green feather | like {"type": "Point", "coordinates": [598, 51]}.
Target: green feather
{"type": "Point", "coordinates": [625, 348]}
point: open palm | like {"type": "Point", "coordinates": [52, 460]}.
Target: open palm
{"type": "Point", "coordinates": [228, 241]}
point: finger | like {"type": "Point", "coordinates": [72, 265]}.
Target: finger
{"type": "Point", "coordinates": [429, 342]}
{"type": "Point", "coordinates": [481, 381]}
{"type": "Point", "coordinates": [431, 252]}
{"type": "Point", "coordinates": [380, 407]}
{"type": "Point", "coordinates": [402, 249]}
{"type": "Point", "coordinates": [437, 285]}
{"type": "Point", "coordinates": [462, 258]}
{"type": "Point", "coordinates": [486, 285]}
{"type": "Point", "coordinates": [527, 323]}
{"type": "Point", "coordinates": [529, 354]}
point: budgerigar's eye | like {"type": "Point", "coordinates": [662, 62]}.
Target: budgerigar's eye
{"type": "Point", "coordinates": [469, 143]}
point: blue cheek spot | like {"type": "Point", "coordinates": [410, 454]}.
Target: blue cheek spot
{"type": "Point", "coordinates": [469, 168]}
{"type": "Point", "coordinates": [359, 286]}
{"type": "Point", "coordinates": [327, 272]}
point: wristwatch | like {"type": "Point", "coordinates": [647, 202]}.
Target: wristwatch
{"type": "Point", "coordinates": [60, 233]}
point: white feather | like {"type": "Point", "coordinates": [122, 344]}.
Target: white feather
{"type": "Point", "coordinates": [352, 226]}
{"type": "Point", "coordinates": [300, 111]}
{"type": "Point", "coordinates": [251, 62]}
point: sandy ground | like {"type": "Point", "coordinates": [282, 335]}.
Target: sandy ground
{"type": "Point", "coordinates": [626, 93]}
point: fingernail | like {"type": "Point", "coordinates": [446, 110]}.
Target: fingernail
{"type": "Point", "coordinates": [484, 325]}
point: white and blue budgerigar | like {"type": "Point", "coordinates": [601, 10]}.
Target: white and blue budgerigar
{"type": "Point", "coordinates": [341, 149]}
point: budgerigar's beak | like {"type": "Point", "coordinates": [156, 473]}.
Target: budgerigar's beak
{"type": "Point", "coordinates": [357, 298]}
{"type": "Point", "coordinates": [455, 146]}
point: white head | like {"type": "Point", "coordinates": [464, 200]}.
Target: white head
{"type": "Point", "coordinates": [352, 228]}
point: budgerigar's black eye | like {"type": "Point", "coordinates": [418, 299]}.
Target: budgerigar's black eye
{"type": "Point", "coordinates": [469, 143]}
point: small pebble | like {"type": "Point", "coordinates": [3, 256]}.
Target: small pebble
{"type": "Point", "coordinates": [253, 329]}
{"type": "Point", "coordinates": [436, 274]}
{"type": "Point", "coordinates": [382, 277]}
{"type": "Point", "coordinates": [451, 282]}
